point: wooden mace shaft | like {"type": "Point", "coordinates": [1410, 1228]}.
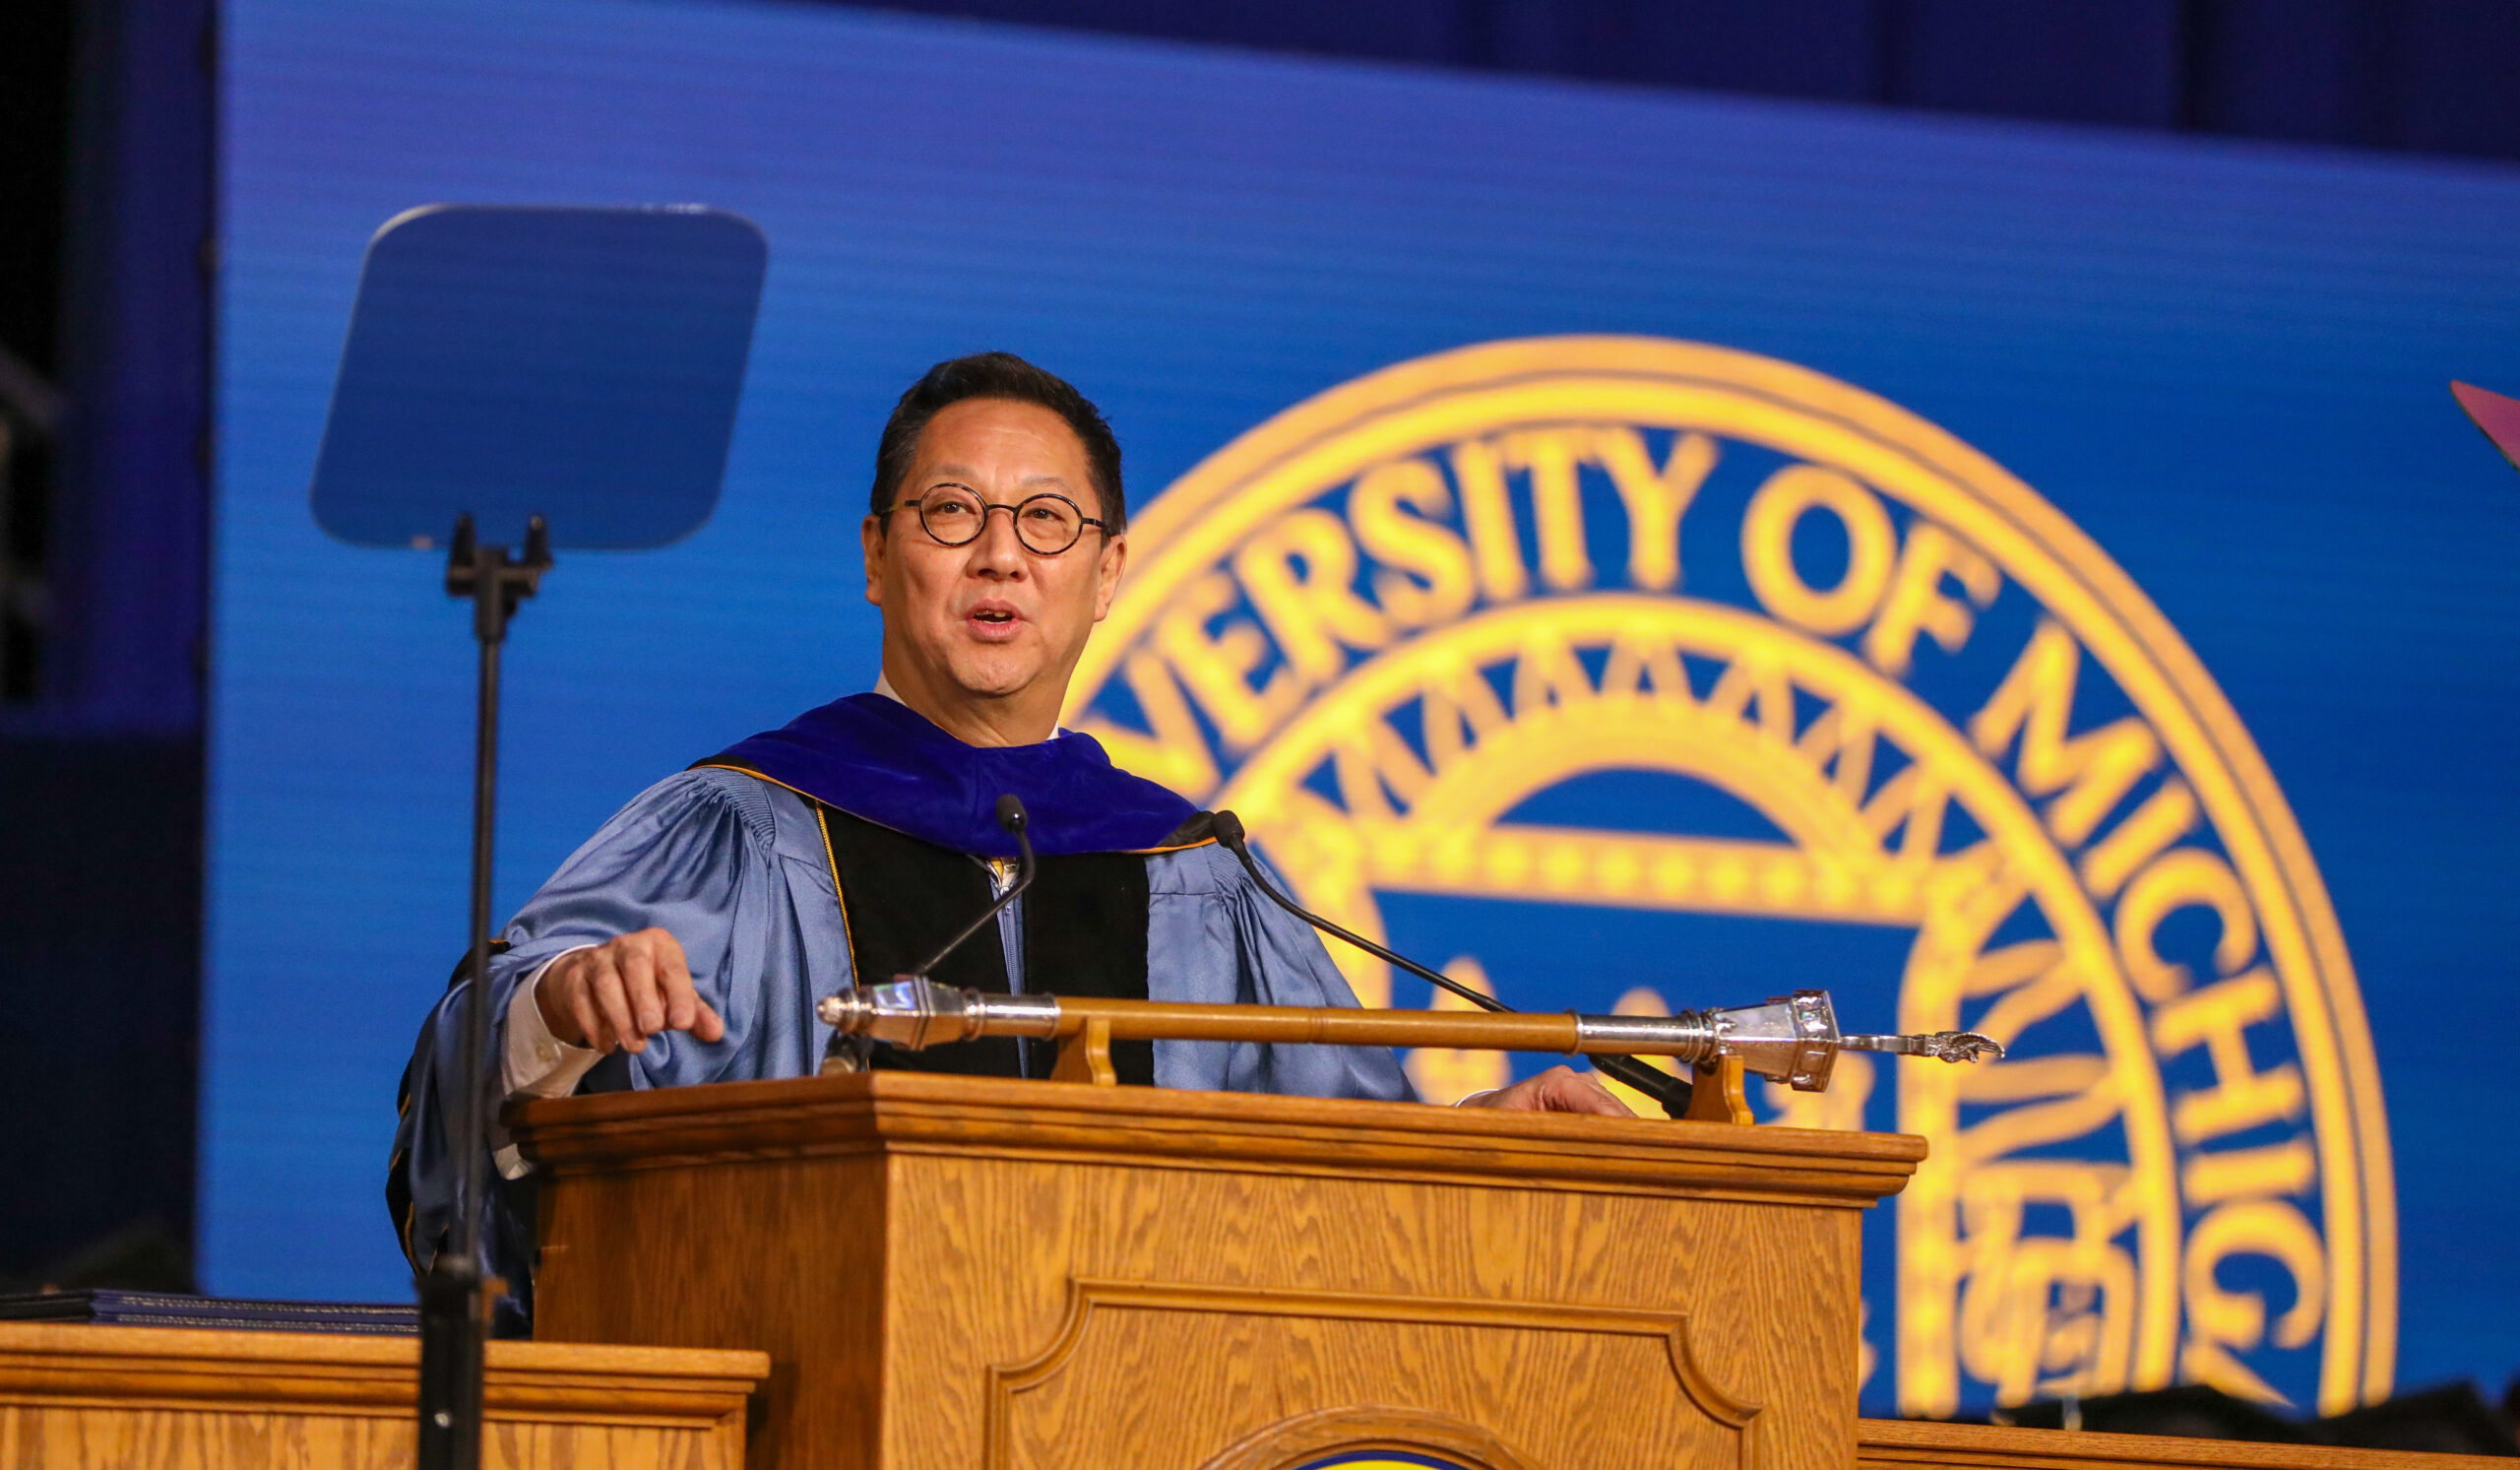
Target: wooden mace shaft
{"type": "Point", "coordinates": [1323, 1025]}
{"type": "Point", "coordinates": [1085, 1028]}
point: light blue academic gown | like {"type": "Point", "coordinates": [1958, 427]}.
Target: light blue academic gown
{"type": "Point", "coordinates": [733, 866]}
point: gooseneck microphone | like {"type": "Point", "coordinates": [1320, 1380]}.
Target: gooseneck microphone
{"type": "Point", "coordinates": [849, 1053]}
{"type": "Point", "coordinates": [1673, 1093]}
{"type": "Point", "coordinates": [1010, 815]}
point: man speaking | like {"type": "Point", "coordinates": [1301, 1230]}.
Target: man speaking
{"type": "Point", "coordinates": [689, 940]}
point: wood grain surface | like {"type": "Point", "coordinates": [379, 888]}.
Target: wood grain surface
{"type": "Point", "coordinates": [888, 1111]}
{"type": "Point", "coordinates": [1717, 1094]}
{"type": "Point", "coordinates": [1378, 1346]}
{"type": "Point", "coordinates": [950, 1272]}
{"type": "Point", "coordinates": [1085, 1054]}
{"type": "Point", "coordinates": [1902, 1444]}
{"type": "Point", "coordinates": [74, 1396]}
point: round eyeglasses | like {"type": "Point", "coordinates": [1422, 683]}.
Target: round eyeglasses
{"type": "Point", "coordinates": [1046, 523]}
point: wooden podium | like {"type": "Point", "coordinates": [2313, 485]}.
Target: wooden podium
{"type": "Point", "coordinates": [953, 1272]}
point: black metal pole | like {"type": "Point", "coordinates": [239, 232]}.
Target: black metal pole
{"type": "Point", "coordinates": [454, 1325]}
{"type": "Point", "coordinates": [454, 1296]}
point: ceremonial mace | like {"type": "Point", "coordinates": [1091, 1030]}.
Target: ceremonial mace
{"type": "Point", "coordinates": [1791, 1039]}
{"type": "Point", "coordinates": [572, 373]}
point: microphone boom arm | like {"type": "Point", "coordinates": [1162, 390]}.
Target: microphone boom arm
{"type": "Point", "coordinates": [1010, 815]}
{"type": "Point", "coordinates": [1673, 1093]}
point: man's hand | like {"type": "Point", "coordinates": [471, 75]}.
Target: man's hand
{"type": "Point", "coordinates": [621, 992]}
{"type": "Point", "coordinates": [1561, 1089]}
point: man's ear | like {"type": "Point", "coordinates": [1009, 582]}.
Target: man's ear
{"type": "Point", "coordinates": [871, 536]}
{"type": "Point", "coordinates": [1115, 556]}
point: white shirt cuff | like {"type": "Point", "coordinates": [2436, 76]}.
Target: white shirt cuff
{"type": "Point", "coordinates": [534, 1064]}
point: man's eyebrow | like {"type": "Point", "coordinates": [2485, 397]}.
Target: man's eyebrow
{"type": "Point", "coordinates": [966, 472]}
{"type": "Point", "coordinates": [959, 474]}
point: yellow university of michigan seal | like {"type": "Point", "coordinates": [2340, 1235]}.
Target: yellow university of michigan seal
{"type": "Point", "coordinates": [1552, 638]}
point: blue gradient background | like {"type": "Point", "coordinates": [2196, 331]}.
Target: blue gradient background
{"type": "Point", "coordinates": [2225, 361]}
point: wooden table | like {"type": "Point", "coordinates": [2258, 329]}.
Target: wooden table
{"type": "Point", "coordinates": [161, 1398]}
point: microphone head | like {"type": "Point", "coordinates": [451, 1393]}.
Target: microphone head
{"type": "Point", "coordinates": [1227, 827]}
{"type": "Point", "coordinates": [1010, 814]}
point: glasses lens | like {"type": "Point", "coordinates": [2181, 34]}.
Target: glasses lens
{"type": "Point", "coordinates": [1049, 524]}
{"type": "Point", "coordinates": [950, 514]}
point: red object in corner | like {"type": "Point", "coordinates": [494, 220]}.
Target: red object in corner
{"type": "Point", "coordinates": [2498, 416]}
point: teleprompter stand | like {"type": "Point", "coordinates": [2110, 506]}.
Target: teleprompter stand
{"type": "Point", "coordinates": [523, 367]}
{"type": "Point", "coordinates": [455, 1295]}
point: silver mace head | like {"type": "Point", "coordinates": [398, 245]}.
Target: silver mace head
{"type": "Point", "coordinates": [921, 1013]}
{"type": "Point", "coordinates": [1794, 1040]}
{"type": "Point", "coordinates": [1941, 1046]}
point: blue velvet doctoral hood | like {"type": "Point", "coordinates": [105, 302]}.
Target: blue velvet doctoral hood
{"type": "Point", "coordinates": [877, 758]}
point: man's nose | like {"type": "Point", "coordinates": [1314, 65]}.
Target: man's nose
{"type": "Point", "coordinates": [998, 549]}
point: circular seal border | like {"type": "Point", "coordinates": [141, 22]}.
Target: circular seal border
{"type": "Point", "coordinates": [1286, 461]}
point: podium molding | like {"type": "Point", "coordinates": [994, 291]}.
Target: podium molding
{"type": "Point", "coordinates": [1118, 1298]}
{"type": "Point", "coordinates": [951, 1272]}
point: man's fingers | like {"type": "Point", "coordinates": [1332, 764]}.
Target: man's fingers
{"type": "Point", "coordinates": [673, 980]}
{"type": "Point", "coordinates": [620, 994]}
{"type": "Point", "coordinates": [604, 979]}
{"type": "Point", "coordinates": [684, 1010]}
{"type": "Point", "coordinates": [639, 986]}
{"type": "Point", "coordinates": [553, 995]}
{"type": "Point", "coordinates": [1584, 1092]}
{"type": "Point", "coordinates": [1561, 1089]}
{"type": "Point", "coordinates": [591, 1028]}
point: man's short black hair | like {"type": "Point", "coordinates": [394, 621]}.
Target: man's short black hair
{"type": "Point", "coordinates": [996, 375]}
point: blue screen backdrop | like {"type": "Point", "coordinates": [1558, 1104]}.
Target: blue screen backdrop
{"type": "Point", "coordinates": [2224, 363]}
